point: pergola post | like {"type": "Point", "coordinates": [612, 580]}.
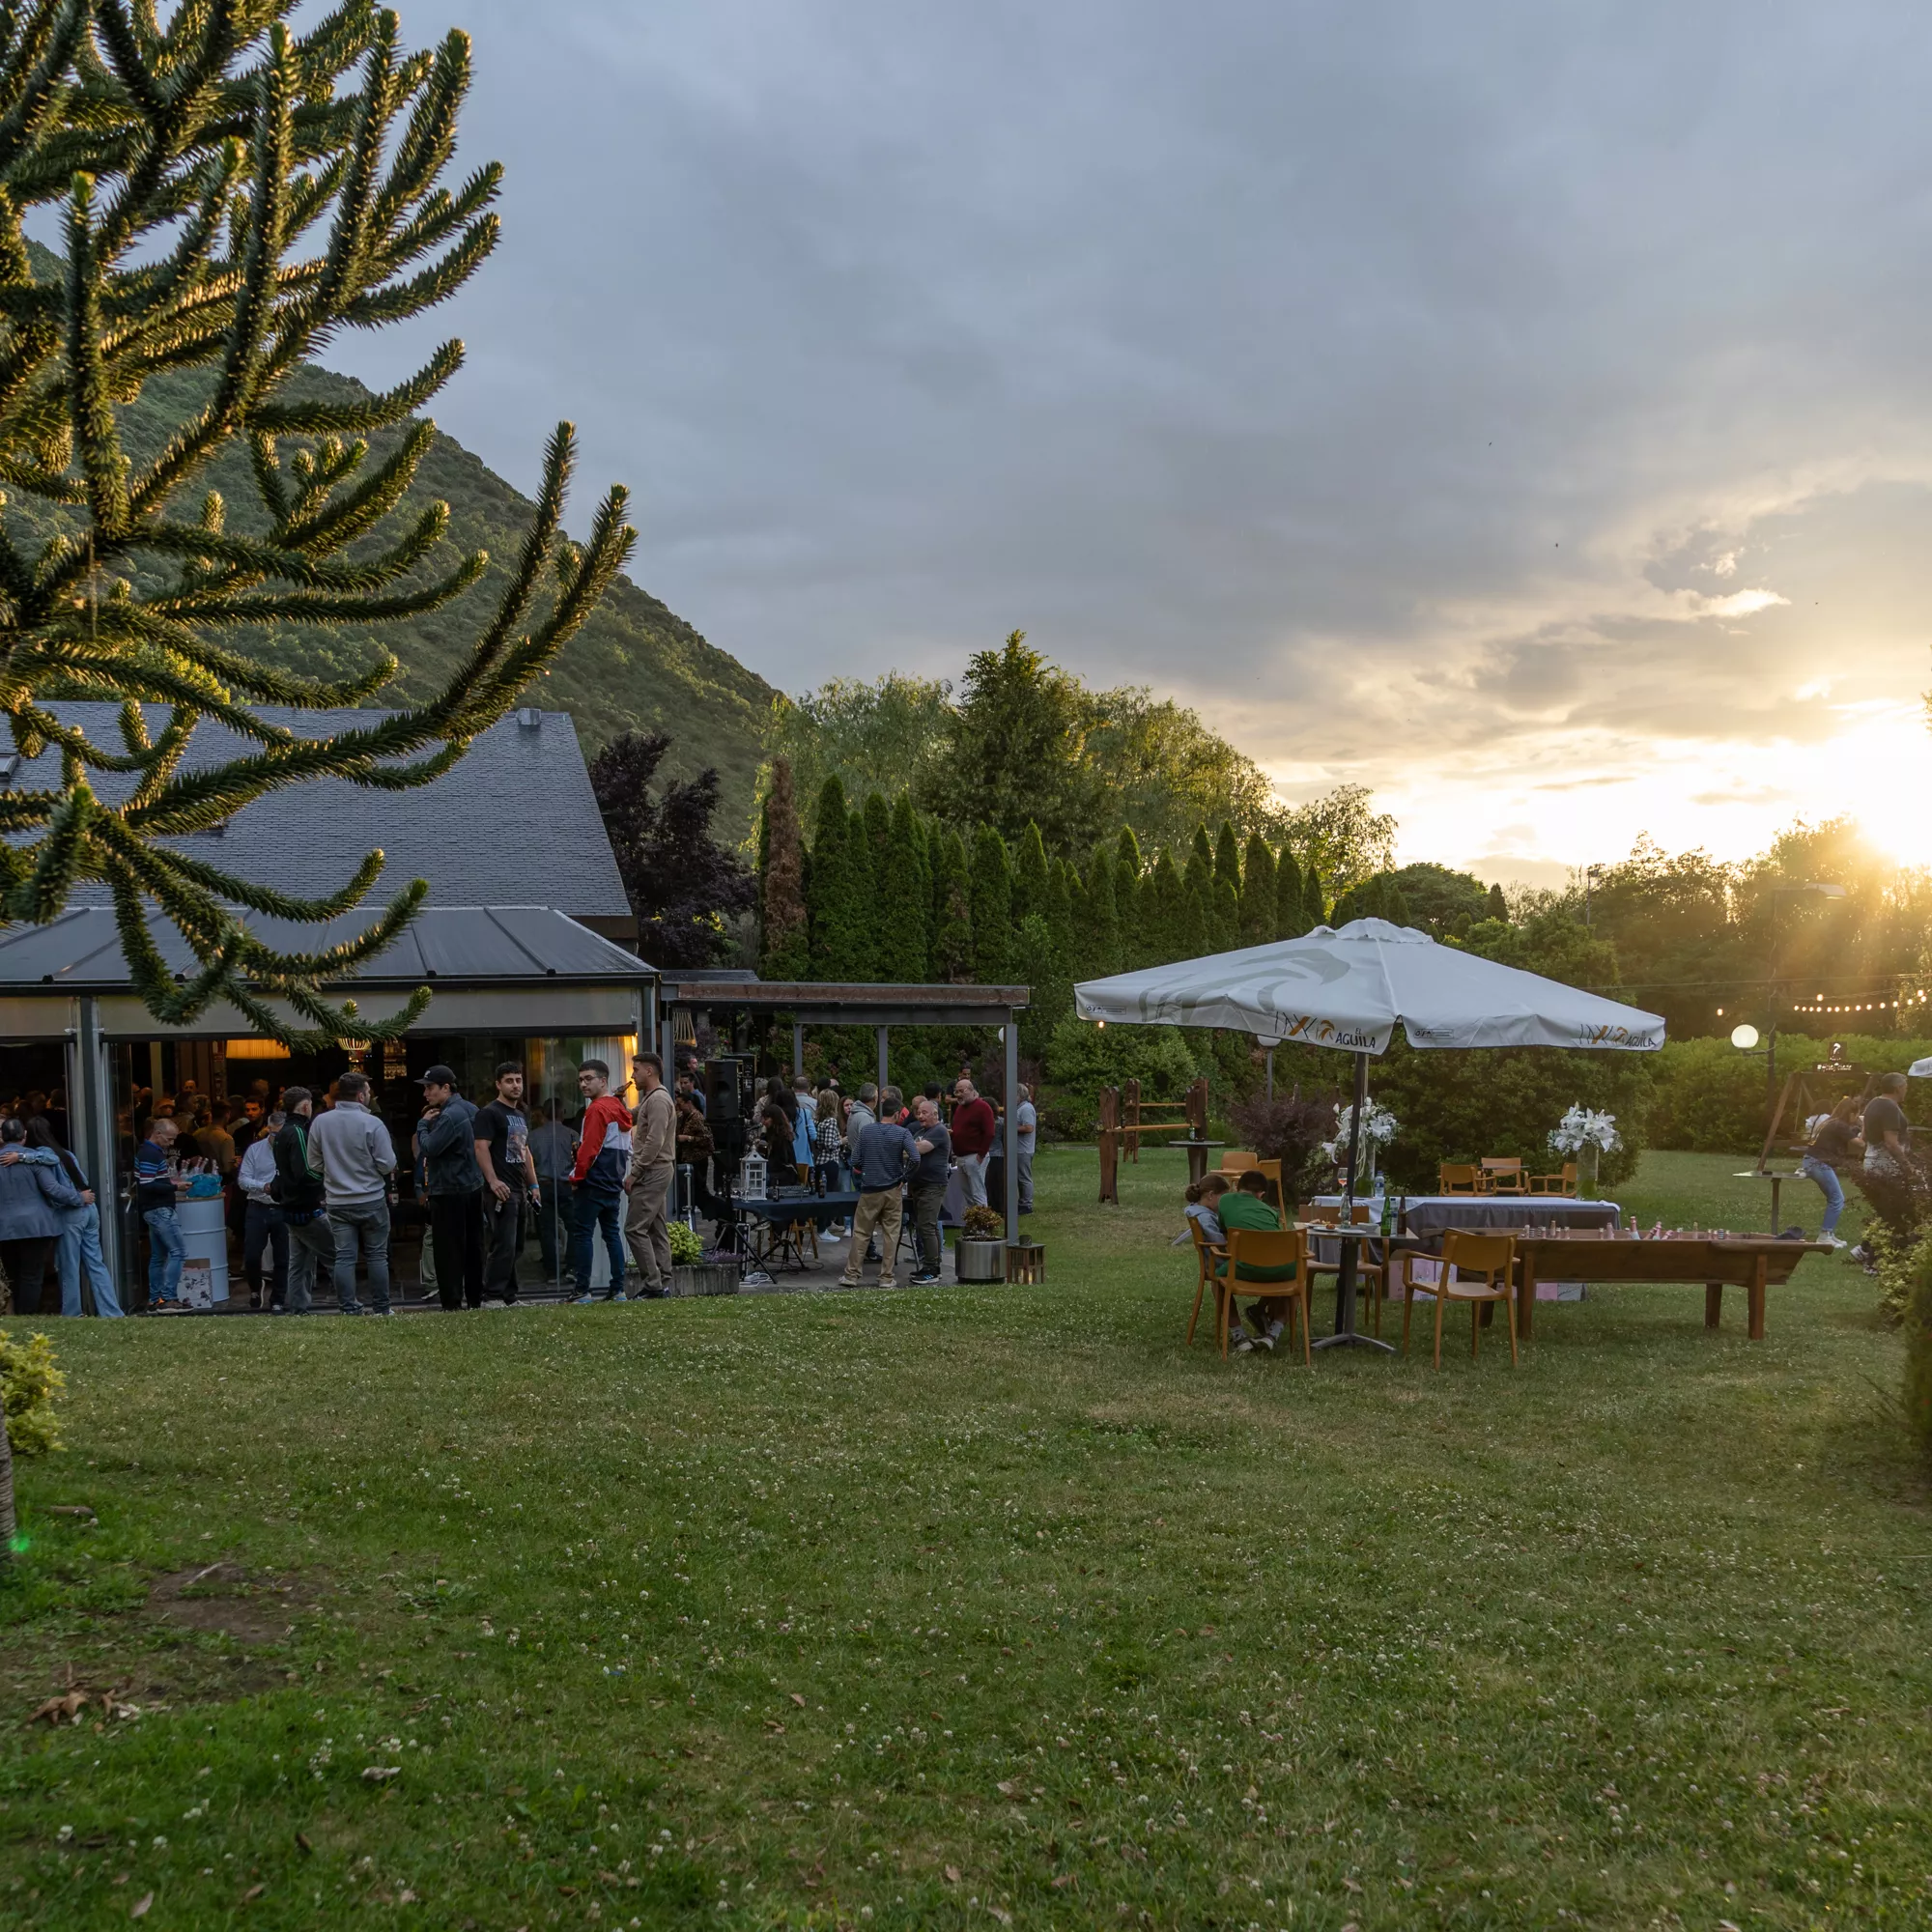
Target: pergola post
{"type": "Point", "coordinates": [1012, 1164]}
{"type": "Point", "coordinates": [798, 1047]}
{"type": "Point", "coordinates": [90, 1099]}
{"type": "Point", "coordinates": [881, 1031]}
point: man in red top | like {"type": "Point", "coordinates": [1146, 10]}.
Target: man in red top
{"type": "Point", "coordinates": [603, 1155]}
{"type": "Point", "coordinates": [974, 1126]}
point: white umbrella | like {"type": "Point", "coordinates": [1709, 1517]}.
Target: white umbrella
{"type": "Point", "coordinates": [1348, 990]}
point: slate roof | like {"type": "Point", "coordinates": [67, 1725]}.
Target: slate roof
{"type": "Point", "coordinates": [512, 823]}
{"type": "Point", "coordinates": [448, 945]}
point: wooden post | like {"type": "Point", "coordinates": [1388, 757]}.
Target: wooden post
{"type": "Point", "coordinates": [1196, 1108]}
{"type": "Point", "coordinates": [1713, 1303]}
{"type": "Point", "coordinates": [1110, 1145]}
{"type": "Point", "coordinates": [1130, 1094]}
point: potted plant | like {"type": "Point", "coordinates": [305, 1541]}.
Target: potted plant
{"type": "Point", "coordinates": [690, 1274]}
{"type": "Point", "coordinates": [1585, 1137]}
{"type": "Point", "coordinates": [981, 1252]}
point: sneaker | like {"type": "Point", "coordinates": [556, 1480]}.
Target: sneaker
{"type": "Point", "coordinates": [1832, 1241]}
{"type": "Point", "coordinates": [582, 1300]}
{"type": "Point", "coordinates": [620, 1296]}
{"type": "Point", "coordinates": [844, 1281]}
{"type": "Point", "coordinates": [1240, 1345]}
{"type": "Point", "coordinates": [1265, 1340]}
{"type": "Point", "coordinates": [924, 1280]}
{"type": "Point", "coordinates": [885, 1281]}
{"type": "Point", "coordinates": [759, 1278]}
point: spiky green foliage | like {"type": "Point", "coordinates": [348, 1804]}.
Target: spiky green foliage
{"type": "Point", "coordinates": [231, 194]}
{"type": "Point", "coordinates": [1129, 903]}
{"type": "Point", "coordinates": [1197, 926]}
{"type": "Point", "coordinates": [952, 912]}
{"type": "Point", "coordinates": [1498, 906]}
{"type": "Point", "coordinates": [1314, 901]}
{"type": "Point", "coordinates": [992, 908]}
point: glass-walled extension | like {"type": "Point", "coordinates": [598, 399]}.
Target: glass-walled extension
{"type": "Point", "coordinates": [220, 1092]}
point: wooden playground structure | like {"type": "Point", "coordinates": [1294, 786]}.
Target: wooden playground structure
{"type": "Point", "coordinates": [1125, 1117]}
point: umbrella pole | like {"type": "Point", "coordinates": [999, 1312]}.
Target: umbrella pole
{"type": "Point", "coordinates": [1345, 1334]}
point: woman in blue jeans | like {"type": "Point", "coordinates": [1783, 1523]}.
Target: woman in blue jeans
{"type": "Point", "coordinates": [1831, 1150]}
{"type": "Point", "coordinates": [78, 1243]}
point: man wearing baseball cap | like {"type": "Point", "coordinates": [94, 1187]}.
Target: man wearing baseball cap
{"type": "Point", "coordinates": [446, 1141]}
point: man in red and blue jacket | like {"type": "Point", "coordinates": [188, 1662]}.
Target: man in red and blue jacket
{"type": "Point", "coordinates": [597, 1180]}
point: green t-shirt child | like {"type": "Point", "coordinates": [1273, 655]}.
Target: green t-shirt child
{"type": "Point", "coordinates": [1239, 1208]}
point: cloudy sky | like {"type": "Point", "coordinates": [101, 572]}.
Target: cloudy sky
{"type": "Point", "coordinates": [1524, 411]}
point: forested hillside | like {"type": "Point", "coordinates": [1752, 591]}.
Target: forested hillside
{"type": "Point", "coordinates": [633, 664]}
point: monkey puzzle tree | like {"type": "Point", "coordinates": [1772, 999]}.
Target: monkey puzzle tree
{"type": "Point", "coordinates": [233, 193]}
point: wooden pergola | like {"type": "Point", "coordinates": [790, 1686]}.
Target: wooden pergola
{"type": "Point", "coordinates": [880, 1006]}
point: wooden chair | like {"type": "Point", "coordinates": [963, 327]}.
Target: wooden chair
{"type": "Point", "coordinates": [1564, 1183]}
{"type": "Point", "coordinates": [1459, 1177]}
{"type": "Point", "coordinates": [1236, 1160]}
{"type": "Point", "coordinates": [1502, 1176]}
{"type": "Point", "coordinates": [1206, 1255]}
{"type": "Point", "coordinates": [1371, 1273]}
{"type": "Point", "coordinates": [1267, 1248]}
{"type": "Point", "coordinates": [1475, 1268]}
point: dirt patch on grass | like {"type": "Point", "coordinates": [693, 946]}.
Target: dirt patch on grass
{"type": "Point", "coordinates": [224, 1600]}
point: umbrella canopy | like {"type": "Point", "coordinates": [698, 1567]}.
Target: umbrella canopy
{"type": "Point", "coordinates": [1349, 989]}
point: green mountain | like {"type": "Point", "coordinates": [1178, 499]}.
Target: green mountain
{"type": "Point", "coordinates": [634, 664]}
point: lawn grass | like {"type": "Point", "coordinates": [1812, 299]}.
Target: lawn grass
{"type": "Point", "coordinates": [942, 1609]}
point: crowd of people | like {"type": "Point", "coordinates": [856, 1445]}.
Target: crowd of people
{"type": "Point", "coordinates": [896, 1158]}
{"type": "Point", "coordinates": [313, 1184]}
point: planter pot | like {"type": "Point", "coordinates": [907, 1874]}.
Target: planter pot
{"type": "Point", "coordinates": [979, 1260]}
{"type": "Point", "coordinates": [704, 1278]}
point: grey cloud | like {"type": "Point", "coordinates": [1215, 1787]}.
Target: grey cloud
{"type": "Point", "coordinates": [1254, 351]}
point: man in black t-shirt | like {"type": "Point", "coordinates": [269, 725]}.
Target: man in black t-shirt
{"type": "Point", "coordinates": [929, 1188]}
{"type": "Point", "coordinates": [509, 1177]}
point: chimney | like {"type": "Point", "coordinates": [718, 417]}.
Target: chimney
{"type": "Point", "coordinates": [528, 718]}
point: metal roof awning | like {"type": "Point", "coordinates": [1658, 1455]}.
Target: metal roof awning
{"type": "Point", "coordinates": [821, 1002]}
{"type": "Point", "coordinates": [451, 945]}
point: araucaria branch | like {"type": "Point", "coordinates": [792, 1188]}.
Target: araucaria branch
{"type": "Point", "coordinates": [233, 193]}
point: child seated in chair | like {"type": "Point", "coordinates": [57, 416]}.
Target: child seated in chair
{"type": "Point", "coordinates": [1244, 1206]}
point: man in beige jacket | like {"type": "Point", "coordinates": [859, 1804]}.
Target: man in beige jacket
{"type": "Point", "coordinates": [648, 1180]}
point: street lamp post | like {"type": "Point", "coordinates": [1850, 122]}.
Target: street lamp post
{"type": "Point", "coordinates": [1822, 892]}
{"type": "Point", "coordinates": [1591, 874]}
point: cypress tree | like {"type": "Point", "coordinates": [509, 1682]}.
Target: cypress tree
{"type": "Point", "coordinates": [1314, 903]}
{"type": "Point", "coordinates": [874, 824]}
{"type": "Point", "coordinates": [1062, 886]}
{"type": "Point", "coordinates": [902, 897]}
{"type": "Point", "coordinates": [1030, 874]}
{"type": "Point", "coordinates": [1225, 916]}
{"type": "Point", "coordinates": [1203, 848]}
{"type": "Point", "coordinates": [1198, 877]}
{"type": "Point", "coordinates": [1227, 858]}
{"type": "Point", "coordinates": [839, 897]}
{"type": "Point", "coordinates": [1498, 906]}
{"type": "Point", "coordinates": [1394, 903]}
{"type": "Point", "coordinates": [1163, 911]}
{"type": "Point", "coordinates": [1098, 947]}
{"type": "Point", "coordinates": [1257, 889]}
{"type": "Point", "coordinates": [1196, 928]}
{"type": "Point", "coordinates": [786, 952]}
{"type": "Point", "coordinates": [1291, 912]}
{"type": "Point", "coordinates": [953, 924]}
{"type": "Point", "coordinates": [992, 908]}
{"type": "Point", "coordinates": [1130, 906]}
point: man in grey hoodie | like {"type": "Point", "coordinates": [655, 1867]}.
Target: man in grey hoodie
{"type": "Point", "coordinates": [351, 1148]}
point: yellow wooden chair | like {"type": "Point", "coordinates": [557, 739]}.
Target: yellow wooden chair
{"type": "Point", "coordinates": [1564, 1183]}
{"type": "Point", "coordinates": [1265, 1248]}
{"type": "Point", "coordinates": [1459, 1177]}
{"type": "Point", "coordinates": [1502, 1176]}
{"type": "Point", "coordinates": [1208, 1255]}
{"type": "Point", "coordinates": [1475, 1268]}
{"type": "Point", "coordinates": [1371, 1274]}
